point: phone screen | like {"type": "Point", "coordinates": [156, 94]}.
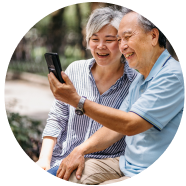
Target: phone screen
{"type": "Point", "coordinates": [54, 65]}
{"type": "Point", "coordinates": [51, 67]}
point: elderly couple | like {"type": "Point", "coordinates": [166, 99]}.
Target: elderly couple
{"type": "Point", "coordinates": [109, 122]}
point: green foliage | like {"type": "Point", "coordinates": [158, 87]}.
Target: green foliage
{"type": "Point", "coordinates": [37, 54]}
{"type": "Point", "coordinates": [23, 66]}
{"type": "Point", "coordinates": [70, 16]}
{"type": "Point", "coordinates": [41, 25]}
{"type": "Point", "coordinates": [29, 55]}
{"type": "Point", "coordinates": [27, 133]}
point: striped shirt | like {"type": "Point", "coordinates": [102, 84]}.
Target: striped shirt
{"type": "Point", "coordinates": [70, 129]}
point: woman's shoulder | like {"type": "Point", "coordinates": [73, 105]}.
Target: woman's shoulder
{"type": "Point", "coordinates": [80, 64]}
{"type": "Point", "coordinates": [131, 73]}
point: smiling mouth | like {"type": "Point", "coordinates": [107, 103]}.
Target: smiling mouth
{"type": "Point", "coordinates": [129, 54]}
{"type": "Point", "coordinates": [100, 54]}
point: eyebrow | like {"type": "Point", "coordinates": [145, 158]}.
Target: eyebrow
{"type": "Point", "coordinates": [105, 36]}
{"type": "Point", "coordinates": [110, 36]}
{"type": "Point", "coordinates": [125, 32]}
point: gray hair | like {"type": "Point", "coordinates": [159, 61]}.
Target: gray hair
{"type": "Point", "coordinates": [147, 26]}
{"type": "Point", "coordinates": [101, 17]}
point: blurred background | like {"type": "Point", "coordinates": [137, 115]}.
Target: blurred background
{"type": "Point", "coordinates": [27, 94]}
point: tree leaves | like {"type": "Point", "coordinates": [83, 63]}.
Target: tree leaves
{"type": "Point", "coordinates": [27, 133]}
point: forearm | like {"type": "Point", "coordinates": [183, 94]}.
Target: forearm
{"type": "Point", "coordinates": [47, 148]}
{"type": "Point", "coordinates": [111, 118]}
{"type": "Point", "coordinates": [99, 141]}
{"type": "Point", "coordinates": [114, 119]}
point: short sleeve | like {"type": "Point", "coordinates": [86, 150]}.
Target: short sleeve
{"type": "Point", "coordinates": [162, 100]}
{"type": "Point", "coordinates": [125, 104]}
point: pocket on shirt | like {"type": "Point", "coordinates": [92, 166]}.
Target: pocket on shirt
{"type": "Point", "coordinates": [180, 119]}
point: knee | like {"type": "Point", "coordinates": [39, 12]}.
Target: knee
{"type": "Point", "coordinates": [92, 179]}
{"type": "Point", "coordinates": [85, 179]}
{"type": "Point", "coordinates": [53, 170]}
{"type": "Point", "coordinates": [74, 179]}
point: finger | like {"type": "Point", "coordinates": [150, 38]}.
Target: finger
{"type": "Point", "coordinates": [61, 172]}
{"type": "Point", "coordinates": [49, 79]}
{"type": "Point", "coordinates": [60, 168]}
{"type": "Point", "coordinates": [58, 171]}
{"type": "Point", "coordinates": [79, 171]}
{"type": "Point", "coordinates": [53, 80]}
{"type": "Point", "coordinates": [66, 78]}
{"type": "Point", "coordinates": [50, 83]}
{"type": "Point", "coordinates": [67, 174]}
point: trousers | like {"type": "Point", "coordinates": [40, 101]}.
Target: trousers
{"type": "Point", "coordinates": [97, 172]}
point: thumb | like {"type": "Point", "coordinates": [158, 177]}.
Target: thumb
{"type": "Point", "coordinates": [79, 172]}
{"type": "Point", "coordinates": [65, 78]}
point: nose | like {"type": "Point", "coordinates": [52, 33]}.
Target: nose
{"type": "Point", "coordinates": [123, 45]}
{"type": "Point", "coordinates": [101, 45]}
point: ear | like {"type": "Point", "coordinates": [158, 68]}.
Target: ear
{"type": "Point", "coordinates": [155, 36]}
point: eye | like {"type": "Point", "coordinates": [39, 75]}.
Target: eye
{"type": "Point", "coordinates": [119, 40]}
{"type": "Point", "coordinates": [94, 39]}
{"type": "Point", "coordinates": [127, 37]}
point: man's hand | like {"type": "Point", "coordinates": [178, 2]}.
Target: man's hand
{"type": "Point", "coordinates": [75, 160]}
{"type": "Point", "coordinates": [64, 92]}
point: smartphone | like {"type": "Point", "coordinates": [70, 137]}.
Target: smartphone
{"type": "Point", "coordinates": [54, 65]}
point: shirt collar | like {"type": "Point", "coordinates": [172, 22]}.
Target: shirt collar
{"type": "Point", "coordinates": [163, 58]}
{"type": "Point", "coordinates": [92, 61]}
{"type": "Point", "coordinates": [130, 73]}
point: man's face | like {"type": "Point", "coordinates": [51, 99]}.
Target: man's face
{"type": "Point", "coordinates": [134, 42]}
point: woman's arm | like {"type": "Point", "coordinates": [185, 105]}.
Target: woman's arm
{"type": "Point", "coordinates": [46, 152]}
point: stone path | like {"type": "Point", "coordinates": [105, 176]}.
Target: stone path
{"type": "Point", "coordinates": [28, 98]}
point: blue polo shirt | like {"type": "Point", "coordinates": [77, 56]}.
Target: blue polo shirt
{"type": "Point", "coordinates": [159, 99]}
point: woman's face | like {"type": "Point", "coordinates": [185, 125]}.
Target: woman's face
{"type": "Point", "coordinates": [104, 46]}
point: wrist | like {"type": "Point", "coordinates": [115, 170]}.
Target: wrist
{"type": "Point", "coordinates": [76, 101]}
{"type": "Point", "coordinates": [80, 150]}
{"type": "Point", "coordinates": [45, 159]}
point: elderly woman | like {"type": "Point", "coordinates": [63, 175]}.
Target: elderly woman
{"type": "Point", "coordinates": [104, 79]}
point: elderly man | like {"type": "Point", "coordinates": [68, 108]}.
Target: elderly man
{"type": "Point", "coordinates": [150, 114]}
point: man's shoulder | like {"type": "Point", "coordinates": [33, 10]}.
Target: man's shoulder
{"type": "Point", "coordinates": [172, 68]}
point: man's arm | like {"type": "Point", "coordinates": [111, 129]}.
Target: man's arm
{"type": "Point", "coordinates": [99, 141]}
{"type": "Point", "coordinates": [114, 119]}
{"type": "Point", "coordinates": [126, 123]}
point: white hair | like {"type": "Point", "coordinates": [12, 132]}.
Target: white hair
{"type": "Point", "coordinates": [101, 17]}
